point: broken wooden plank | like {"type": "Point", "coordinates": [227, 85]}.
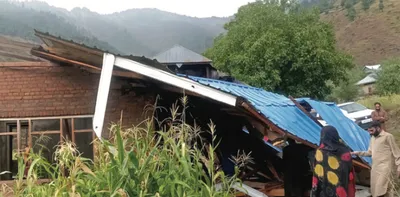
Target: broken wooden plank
{"type": "Point", "coordinates": [305, 111]}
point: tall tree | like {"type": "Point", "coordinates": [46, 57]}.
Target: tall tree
{"type": "Point", "coordinates": [288, 50]}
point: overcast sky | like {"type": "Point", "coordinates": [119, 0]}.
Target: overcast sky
{"type": "Point", "coordinates": [197, 8]}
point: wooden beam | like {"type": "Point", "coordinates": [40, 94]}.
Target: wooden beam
{"type": "Point", "coordinates": [45, 132]}
{"type": "Point", "coordinates": [305, 111]}
{"type": "Point", "coordinates": [127, 74]}
{"type": "Point", "coordinates": [8, 133]}
{"type": "Point", "coordinates": [29, 133]}
{"type": "Point", "coordinates": [273, 171]}
{"type": "Point", "coordinates": [18, 136]}
{"type": "Point", "coordinates": [73, 129]}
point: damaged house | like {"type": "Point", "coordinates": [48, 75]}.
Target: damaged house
{"type": "Point", "coordinates": [57, 98]}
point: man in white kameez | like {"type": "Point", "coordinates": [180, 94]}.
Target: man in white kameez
{"type": "Point", "coordinates": [385, 161]}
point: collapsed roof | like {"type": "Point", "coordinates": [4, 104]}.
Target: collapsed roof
{"type": "Point", "coordinates": [276, 112]}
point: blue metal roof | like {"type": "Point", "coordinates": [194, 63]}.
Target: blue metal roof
{"type": "Point", "coordinates": [286, 115]}
{"type": "Point", "coordinates": [354, 136]}
{"type": "Point", "coordinates": [277, 108]}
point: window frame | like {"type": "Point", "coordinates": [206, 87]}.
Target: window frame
{"type": "Point", "coordinates": [60, 132]}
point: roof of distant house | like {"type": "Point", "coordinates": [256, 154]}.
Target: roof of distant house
{"type": "Point", "coordinates": [371, 78]}
{"type": "Point", "coordinates": [179, 54]}
{"type": "Point", "coordinates": [372, 67]}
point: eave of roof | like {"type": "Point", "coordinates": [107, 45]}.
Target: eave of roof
{"type": "Point", "coordinates": [82, 53]}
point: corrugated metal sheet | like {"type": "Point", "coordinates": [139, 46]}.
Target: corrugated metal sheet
{"type": "Point", "coordinates": [367, 80]}
{"type": "Point", "coordinates": [180, 54]}
{"type": "Point", "coordinates": [353, 135]}
{"type": "Point", "coordinates": [277, 108]}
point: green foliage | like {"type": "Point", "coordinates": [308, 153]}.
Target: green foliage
{"type": "Point", "coordinates": [347, 90]}
{"type": "Point", "coordinates": [381, 6]}
{"type": "Point", "coordinates": [136, 31]}
{"type": "Point", "coordinates": [351, 13]}
{"type": "Point", "coordinates": [287, 51]}
{"type": "Point", "coordinates": [326, 5]}
{"type": "Point", "coordinates": [366, 4]}
{"type": "Point", "coordinates": [388, 78]}
{"type": "Point", "coordinates": [135, 162]}
{"type": "Point", "coordinates": [21, 22]}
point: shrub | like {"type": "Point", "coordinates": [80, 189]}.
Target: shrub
{"type": "Point", "coordinates": [347, 89]}
{"type": "Point", "coordinates": [388, 78]}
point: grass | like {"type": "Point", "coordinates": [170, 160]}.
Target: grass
{"type": "Point", "coordinates": [135, 162]}
{"type": "Point", "coordinates": [391, 104]}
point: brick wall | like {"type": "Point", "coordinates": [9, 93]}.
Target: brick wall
{"type": "Point", "coordinates": [62, 91]}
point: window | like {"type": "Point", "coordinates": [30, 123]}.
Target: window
{"type": "Point", "coordinates": [42, 134]}
{"type": "Point", "coordinates": [353, 107]}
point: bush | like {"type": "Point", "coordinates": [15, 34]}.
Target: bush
{"type": "Point", "coordinates": [388, 78]}
{"type": "Point", "coordinates": [366, 4]}
{"type": "Point", "coordinates": [136, 162]}
{"type": "Point", "coordinates": [351, 13]}
{"type": "Point", "coordinates": [347, 90]}
{"type": "Point", "coordinates": [381, 6]}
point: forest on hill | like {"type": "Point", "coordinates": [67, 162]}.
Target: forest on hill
{"type": "Point", "coordinates": [135, 31]}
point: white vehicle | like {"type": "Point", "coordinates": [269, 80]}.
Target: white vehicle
{"type": "Point", "coordinates": [358, 113]}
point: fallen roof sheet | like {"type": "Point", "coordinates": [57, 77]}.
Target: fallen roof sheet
{"type": "Point", "coordinates": [353, 135]}
{"type": "Point", "coordinates": [277, 108]}
{"type": "Point", "coordinates": [180, 54]}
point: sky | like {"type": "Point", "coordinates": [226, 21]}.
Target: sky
{"type": "Point", "coordinates": [196, 8]}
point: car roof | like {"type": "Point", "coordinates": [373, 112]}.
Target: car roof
{"type": "Point", "coordinates": [343, 104]}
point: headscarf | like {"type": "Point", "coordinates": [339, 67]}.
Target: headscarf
{"type": "Point", "coordinates": [333, 169]}
{"type": "Point", "coordinates": [331, 142]}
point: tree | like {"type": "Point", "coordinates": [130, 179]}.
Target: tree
{"type": "Point", "coordinates": [290, 52]}
{"type": "Point", "coordinates": [351, 13]}
{"type": "Point", "coordinates": [347, 90]}
{"type": "Point", "coordinates": [325, 6]}
{"type": "Point", "coordinates": [366, 4]}
{"type": "Point", "coordinates": [381, 6]}
{"type": "Point", "coordinates": [388, 78]}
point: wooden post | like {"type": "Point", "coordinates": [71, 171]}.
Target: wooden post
{"type": "Point", "coordinates": [73, 129]}
{"type": "Point", "coordinates": [61, 130]}
{"type": "Point", "coordinates": [18, 136]}
{"type": "Point", "coordinates": [30, 133]}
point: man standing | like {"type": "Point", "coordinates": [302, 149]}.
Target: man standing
{"type": "Point", "coordinates": [380, 115]}
{"type": "Point", "coordinates": [385, 160]}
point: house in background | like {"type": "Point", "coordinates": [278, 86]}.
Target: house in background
{"type": "Point", "coordinates": [187, 62]}
{"type": "Point", "coordinates": [367, 84]}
